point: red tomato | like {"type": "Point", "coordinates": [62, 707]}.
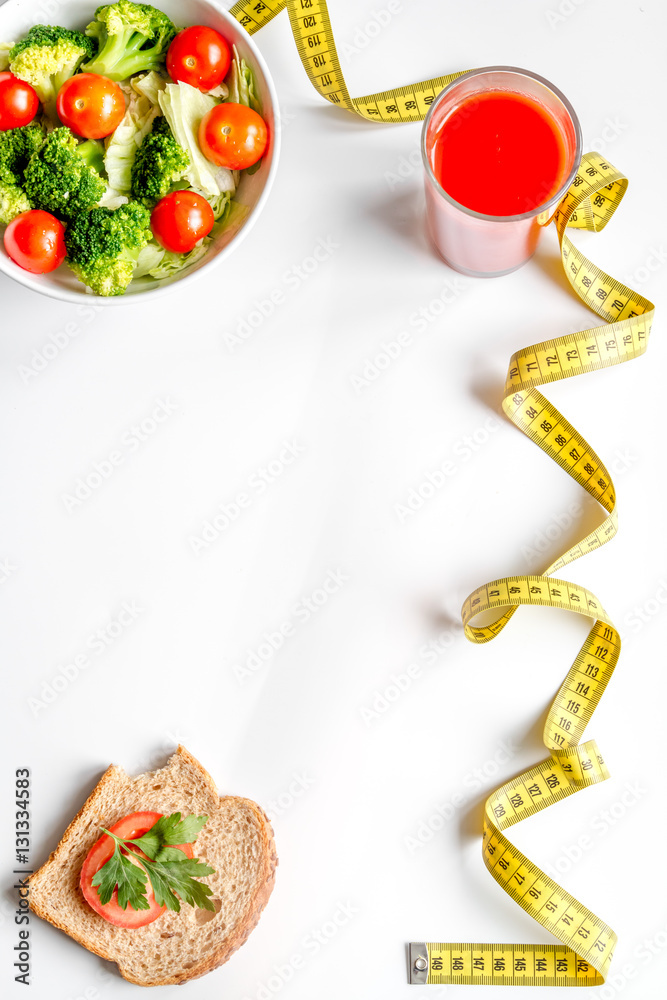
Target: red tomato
{"type": "Point", "coordinates": [181, 220]}
{"type": "Point", "coordinates": [18, 102]}
{"type": "Point", "coordinates": [35, 241]}
{"type": "Point", "coordinates": [129, 828]}
{"type": "Point", "coordinates": [91, 105]}
{"type": "Point", "coordinates": [233, 136]}
{"type": "Point", "coordinates": [199, 56]}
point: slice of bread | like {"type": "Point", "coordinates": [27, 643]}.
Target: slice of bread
{"type": "Point", "coordinates": [237, 841]}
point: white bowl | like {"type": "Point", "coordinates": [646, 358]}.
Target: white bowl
{"type": "Point", "coordinates": [16, 17]}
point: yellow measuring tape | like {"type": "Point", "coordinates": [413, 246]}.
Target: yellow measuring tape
{"type": "Point", "coordinates": [314, 39]}
{"type": "Point", "coordinates": [587, 943]}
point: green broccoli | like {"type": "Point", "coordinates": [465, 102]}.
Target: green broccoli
{"type": "Point", "coordinates": [131, 37]}
{"type": "Point", "coordinates": [12, 202]}
{"type": "Point", "coordinates": [16, 147]}
{"type": "Point", "coordinates": [59, 180]}
{"type": "Point", "coordinates": [48, 56]}
{"type": "Point", "coordinates": [159, 163]}
{"type": "Point", "coordinates": [103, 246]}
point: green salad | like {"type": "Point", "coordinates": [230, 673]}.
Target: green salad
{"type": "Point", "coordinates": [119, 199]}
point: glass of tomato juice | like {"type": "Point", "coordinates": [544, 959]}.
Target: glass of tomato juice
{"type": "Point", "coordinates": [500, 148]}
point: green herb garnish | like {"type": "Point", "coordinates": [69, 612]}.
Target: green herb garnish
{"type": "Point", "coordinates": [169, 870]}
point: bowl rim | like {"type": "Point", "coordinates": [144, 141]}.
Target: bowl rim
{"type": "Point", "coordinates": [28, 280]}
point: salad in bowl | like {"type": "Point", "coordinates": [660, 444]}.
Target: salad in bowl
{"type": "Point", "coordinates": [132, 148]}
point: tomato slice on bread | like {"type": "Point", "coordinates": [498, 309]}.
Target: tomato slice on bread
{"type": "Point", "coordinates": [129, 828]}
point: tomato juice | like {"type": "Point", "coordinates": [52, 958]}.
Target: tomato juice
{"type": "Point", "coordinates": [500, 147]}
{"type": "Point", "coordinates": [499, 153]}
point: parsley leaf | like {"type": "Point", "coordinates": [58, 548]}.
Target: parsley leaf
{"type": "Point", "coordinates": [170, 830]}
{"type": "Point", "coordinates": [127, 875]}
{"type": "Point", "coordinates": [171, 877]}
{"type": "Point", "coordinates": [170, 871]}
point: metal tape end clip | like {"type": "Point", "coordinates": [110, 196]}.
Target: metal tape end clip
{"type": "Point", "coordinates": [418, 968]}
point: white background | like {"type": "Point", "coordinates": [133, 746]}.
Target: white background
{"type": "Point", "coordinates": [365, 833]}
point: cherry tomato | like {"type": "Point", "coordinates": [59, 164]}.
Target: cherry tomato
{"type": "Point", "coordinates": [18, 102]}
{"type": "Point", "coordinates": [35, 241]}
{"type": "Point", "coordinates": [91, 105]}
{"type": "Point", "coordinates": [129, 828]}
{"type": "Point", "coordinates": [233, 136]}
{"type": "Point", "coordinates": [199, 56]}
{"type": "Point", "coordinates": [181, 220]}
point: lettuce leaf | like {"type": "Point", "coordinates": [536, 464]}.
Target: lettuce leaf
{"type": "Point", "coordinates": [221, 91]}
{"type": "Point", "coordinates": [173, 262]}
{"type": "Point", "coordinates": [149, 85]}
{"type": "Point", "coordinates": [219, 203]}
{"type": "Point", "coordinates": [157, 262]}
{"type": "Point", "coordinates": [234, 215]}
{"type": "Point", "coordinates": [241, 82]}
{"type": "Point", "coordinates": [122, 144]}
{"type": "Point", "coordinates": [149, 257]}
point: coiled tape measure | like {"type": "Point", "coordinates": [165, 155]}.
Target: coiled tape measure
{"type": "Point", "coordinates": [587, 943]}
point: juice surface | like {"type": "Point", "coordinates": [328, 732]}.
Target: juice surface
{"type": "Point", "coordinates": [499, 153]}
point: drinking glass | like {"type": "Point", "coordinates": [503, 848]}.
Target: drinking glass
{"type": "Point", "coordinates": [491, 245]}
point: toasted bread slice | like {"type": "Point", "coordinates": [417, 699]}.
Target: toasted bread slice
{"type": "Point", "coordinates": [237, 841]}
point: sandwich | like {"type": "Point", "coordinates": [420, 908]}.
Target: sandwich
{"type": "Point", "coordinates": [159, 873]}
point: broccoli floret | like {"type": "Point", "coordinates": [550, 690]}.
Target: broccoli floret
{"type": "Point", "coordinates": [159, 163]}
{"type": "Point", "coordinates": [103, 246]}
{"type": "Point", "coordinates": [59, 180]}
{"type": "Point", "coordinates": [161, 126]}
{"type": "Point", "coordinates": [16, 147]}
{"type": "Point", "coordinates": [12, 202]}
{"type": "Point", "coordinates": [131, 37]}
{"type": "Point", "coordinates": [48, 56]}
